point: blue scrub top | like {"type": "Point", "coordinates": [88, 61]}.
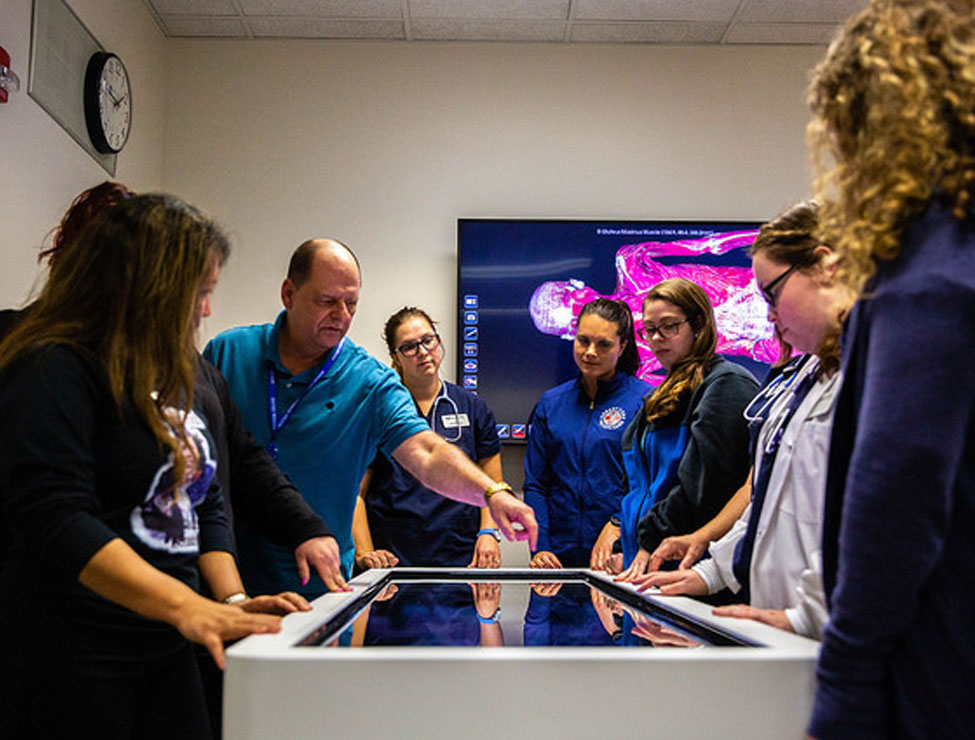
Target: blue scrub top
{"type": "Point", "coordinates": [421, 527]}
{"type": "Point", "coordinates": [359, 406]}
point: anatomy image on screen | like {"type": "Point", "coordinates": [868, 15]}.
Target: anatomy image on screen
{"type": "Point", "coordinates": [740, 311]}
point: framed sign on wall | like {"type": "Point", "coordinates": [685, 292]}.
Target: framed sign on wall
{"type": "Point", "coordinates": [62, 51]}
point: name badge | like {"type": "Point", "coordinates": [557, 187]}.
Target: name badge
{"type": "Point", "coordinates": [452, 421]}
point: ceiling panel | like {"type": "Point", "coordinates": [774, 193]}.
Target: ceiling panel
{"type": "Point", "coordinates": [789, 22]}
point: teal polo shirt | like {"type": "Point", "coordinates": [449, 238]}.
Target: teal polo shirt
{"type": "Point", "coordinates": [359, 406]}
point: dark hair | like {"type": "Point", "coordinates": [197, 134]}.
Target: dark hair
{"type": "Point", "coordinates": [791, 239]}
{"type": "Point", "coordinates": [90, 205]}
{"type": "Point", "coordinates": [394, 322]}
{"type": "Point", "coordinates": [688, 373]}
{"type": "Point", "coordinates": [299, 267]}
{"type": "Point", "coordinates": [617, 312]}
{"type": "Point", "coordinates": [129, 305]}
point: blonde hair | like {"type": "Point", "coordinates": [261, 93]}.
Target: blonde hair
{"type": "Point", "coordinates": [893, 126]}
{"type": "Point", "coordinates": [687, 374]}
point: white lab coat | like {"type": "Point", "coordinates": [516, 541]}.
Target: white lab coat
{"type": "Point", "coordinates": [786, 560]}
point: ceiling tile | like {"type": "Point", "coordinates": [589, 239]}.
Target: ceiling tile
{"type": "Point", "coordinates": [781, 33]}
{"type": "Point", "coordinates": [177, 25]}
{"type": "Point", "coordinates": [656, 10]}
{"type": "Point", "coordinates": [194, 7]}
{"type": "Point", "coordinates": [313, 28]}
{"type": "Point", "coordinates": [652, 33]}
{"type": "Point", "coordinates": [490, 9]}
{"type": "Point", "coordinates": [346, 9]}
{"type": "Point", "coordinates": [455, 30]}
{"type": "Point", "coordinates": [799, 11]}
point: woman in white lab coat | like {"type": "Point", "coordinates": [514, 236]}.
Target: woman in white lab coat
{"type": "Point", "coordinates": [771, 557]}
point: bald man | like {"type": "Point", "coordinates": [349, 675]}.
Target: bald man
{"type": "Point", "coordinates": [323, 405]}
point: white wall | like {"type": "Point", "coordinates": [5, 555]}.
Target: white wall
{"type": "Point", "coordinates": [384, 145]}
{"type": "Point", "coordinates": [42, 169]}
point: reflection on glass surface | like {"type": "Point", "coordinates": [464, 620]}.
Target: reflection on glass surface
{"type": "Point", "coordinates": [559, 613]}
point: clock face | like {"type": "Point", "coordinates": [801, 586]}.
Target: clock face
{"type": "Point", "coordinates": [108, 102]}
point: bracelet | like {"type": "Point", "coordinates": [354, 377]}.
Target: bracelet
{"type": "Point", "coordinates": [496, 488]}
{"type": "Point", "coordinates": [493, 619]}
{"type": "Point", "coordinates": [614, 520]}
{"type": "Point", "coordinates": [236, 598]}
{"type": "Point", "coordinates": [493, 532]}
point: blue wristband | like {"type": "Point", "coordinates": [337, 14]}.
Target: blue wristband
{"type": "Point", "coordinates": [493, 619]}
{"type": "Point", "coordinates": [493, 532]}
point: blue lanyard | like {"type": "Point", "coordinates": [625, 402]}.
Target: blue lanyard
{"type": "Point", "coordinates": [272, 397]}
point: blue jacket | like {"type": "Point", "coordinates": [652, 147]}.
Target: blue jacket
{"type": "Point", "coordinates": [682, 470]}
{"type": "Point", "coordinates": [573, 465]}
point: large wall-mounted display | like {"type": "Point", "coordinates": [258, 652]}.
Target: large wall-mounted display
{"type": "Point", "coordinates": [522, 283]}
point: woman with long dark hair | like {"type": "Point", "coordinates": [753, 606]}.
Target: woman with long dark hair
{"type": "Point", "coordinates": [573, 467]}
{"type": "Point", "coordinates": [106, 475]}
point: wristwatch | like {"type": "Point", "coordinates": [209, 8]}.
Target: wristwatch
{"type": "Point", "coordinates": [236, 598]}
{"type": "Point", "coordinates": [496, 488]}
{"type": "Point", "coordinates": [493, 532]}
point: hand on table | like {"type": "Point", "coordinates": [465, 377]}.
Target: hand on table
{"type": "Point", "coordinates": [376, 559]}
{"type": "Point", "coordinates": [545, 559]}
{"type": "Point", "coordinates": [773, 617]}
{"type": "Point", "coordinates": [322, 554]}
{"type": "Point", "coordinates": [687, 547]}
{"type": "Point", "coordinates": [487, 553]}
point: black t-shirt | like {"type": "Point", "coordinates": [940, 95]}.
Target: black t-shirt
{"type": "Point", "coordinates": [76, 473]}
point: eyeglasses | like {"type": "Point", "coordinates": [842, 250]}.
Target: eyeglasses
{"type": "Point", "coordinates": [667, 330]}
{"type": "Point", "coordinates": [429, 342]}
{"type": "Point", "coordinates": [768, 290]}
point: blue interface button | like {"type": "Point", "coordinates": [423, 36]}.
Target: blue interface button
{"type": "Point", "coordinates": [470, 366]}
{"type": "Point", "coordinates": [470, 333]}
{"type": "Point", "coordinates": [470, 349]}
{"type": "Point", "coordinates": [518, 431]}
{"type": "Point", "coordinates": [470, 301]}
{"type": "Point", "coordinates": [470, 381]}
{"type": "Point", "coordinates": [503, 431]}
{"type": "Point", "coordinates": [470, 317]}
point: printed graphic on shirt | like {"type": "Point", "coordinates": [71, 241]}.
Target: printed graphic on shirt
{"type": "Point", "coordinates": [612, 418]}
{"type": "Point", "coordinates": [167, 519]}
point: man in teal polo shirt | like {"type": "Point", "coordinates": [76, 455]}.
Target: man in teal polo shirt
{"type": "Point", "coordinates": [323, 406]}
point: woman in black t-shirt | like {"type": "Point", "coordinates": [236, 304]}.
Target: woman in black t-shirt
{"type": "Point", "coordinates": [105, 474]}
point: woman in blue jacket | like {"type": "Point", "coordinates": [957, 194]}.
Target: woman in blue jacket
{"type": "Point", "coordinates": [573, 467]}
{"type": "Point", "coordinates": [687, 452]}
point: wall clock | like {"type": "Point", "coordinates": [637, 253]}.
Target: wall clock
{"type": "Point", "coordinates": [108, 102]}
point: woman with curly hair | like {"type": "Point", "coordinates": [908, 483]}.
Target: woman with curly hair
{"type": "Point", "coordinates": [686, 454]}
{"type": "Point", "coordinates": [894, 138]}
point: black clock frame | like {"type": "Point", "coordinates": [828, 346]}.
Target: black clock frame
{"type": "Point", "coordinates": [93, 121]}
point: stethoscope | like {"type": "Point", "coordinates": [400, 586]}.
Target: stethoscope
{"type": "Point", "coordinates": [774, 402]}
{"type": "Point", "coordinates": [442, 396]}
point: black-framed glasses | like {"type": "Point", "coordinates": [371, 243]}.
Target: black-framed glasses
{"type": "Point", "coordinates": [666, 330]}
{"type": "Point", "coordinates": [429, 342]}
{"type": "Point", "coordinates": [769, 289]}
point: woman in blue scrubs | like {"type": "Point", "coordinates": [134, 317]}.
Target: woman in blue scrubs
{"type": "Point", "coordinates": [686, 454]}
{"type": "Point", "coordinates": [573, 466]}
{"type": "Point", "coordinates": [397, 519]}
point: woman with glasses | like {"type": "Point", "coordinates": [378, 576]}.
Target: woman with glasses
{"type": "Point", "coordinates": [573, 468]}
{"type": "Point", "coordinates": [893, 131]}
{"type": "Point", "coordinates": [686, 452]}
{"type": "Point", "coordinates": [771, 558]}
{"type": "Point", "coordinates": [397, 519]}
